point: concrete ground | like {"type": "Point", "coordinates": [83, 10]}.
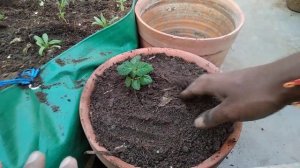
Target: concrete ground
{"type": "Point", "coordinates": [271, 32]}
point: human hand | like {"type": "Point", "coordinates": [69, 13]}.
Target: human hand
{"type": "Point", "coordinates": [37, 160]}
{"type": "Point", "coordinates": [246, 95]}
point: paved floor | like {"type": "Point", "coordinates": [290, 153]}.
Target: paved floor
{"type": "Point", "coordinates": [271, 32]}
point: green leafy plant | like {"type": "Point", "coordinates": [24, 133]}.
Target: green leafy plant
{"type": "Point", "coordinates": [121, 4]}
{"type": "Point", "coordinates": [136, 73]}
{"type": "Point", "coordinates": [2, 17]}
{"type": "Point", "coordinates": [45, 44]}
{"type": "Point", "coordinates": [61, 5]}
{"type": "Point", "coordinates": [102, 21]}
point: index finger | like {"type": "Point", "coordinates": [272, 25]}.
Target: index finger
{"type": "Point", "coordinates": [201, 86]}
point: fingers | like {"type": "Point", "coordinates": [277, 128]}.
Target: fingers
{"type": "Point", "coordinates": [216, 116]}
{"type": "Point", "coordinates": [68, 162]}
{"type": "Point", "coordinates": [35, 160]}
{"type": "Point", "coordinates": [200, 86]}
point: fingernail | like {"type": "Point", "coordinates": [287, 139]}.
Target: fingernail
{"type": "Point", "coordinates": [199, 122]}
{"type": "Point", "coordinates": [35, 160]}
{"type": "Point", "coordinates": [69, 162]}
{"type": "Point", "coordinates": [184, 94]}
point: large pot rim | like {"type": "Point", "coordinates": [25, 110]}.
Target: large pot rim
{"type": "Point", "coordinates": [88, 88]}
{"type": "Point", "coordinates": [235, 31]}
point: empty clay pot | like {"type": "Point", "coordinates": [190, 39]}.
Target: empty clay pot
{"type": "Point", "coordinates": [293, 5]}
{"type": "Point", "coordinates": [204, 27]}
{"type": "Point", "coordinates": [112, 161]}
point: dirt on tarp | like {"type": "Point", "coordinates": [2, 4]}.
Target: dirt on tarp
{"type": "Point", "coordinates": [24, 19]}
{"type": "Point", "coordinates": [153, 127]}
{"type": "Point", "coordinates": [60, 62]}
{"type": "Point", "coordinates": [42, 97]}
{"type": "Point", "coordinates": [55, 108]}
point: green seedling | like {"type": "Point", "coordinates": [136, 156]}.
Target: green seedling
{"type": "Point", "coordinates": [2, 17]}
{"type": "Point", "coordinates": [136, 73]}
{"type": "Point", "coordinates": [61, 5]}
{"type": "Point", "coordinates": [120, 4]}
{"type": "Point", "coordinates": [102, 21]}
{"type": "Point", "coordinates": [45, 44]}
{"type": "Point", "coordinates": [41, 2]}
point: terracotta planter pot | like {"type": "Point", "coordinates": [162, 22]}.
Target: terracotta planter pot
{"type": "Point", "coordinates": [204, 27]}
{"type": "Point", "coordinates": [111, 161]}
{"type": "Point", "coordinates": [293, 5]}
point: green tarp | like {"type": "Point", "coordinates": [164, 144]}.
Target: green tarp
{"type": "Point", "coordinates": [47, 118]}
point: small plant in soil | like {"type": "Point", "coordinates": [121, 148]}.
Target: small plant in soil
{"type": "Point", "coordinates": [61, 5]}
{"type": "Point", "coordinates": [45, 44]}
{"type": "Point", "coordinates": [102, 21]}
{"type": "Point", "coordinates": [41, 2]}
{"type": "Point", "coordinates": [136, 73]}
{"type": "Point", "coordinates": [2, 17]}
{"type": "Point", "coordinates": [120, 4]}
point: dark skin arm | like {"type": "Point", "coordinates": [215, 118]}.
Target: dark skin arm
{"type": "Point", "coordinates": [247, 94]}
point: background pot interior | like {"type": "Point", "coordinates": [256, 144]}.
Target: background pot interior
{"type": "Point", "coordinates": [191, 18]}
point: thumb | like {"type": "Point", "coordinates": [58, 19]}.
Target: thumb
{"type": "Point", "coordinates": [200, 86]}
{"type": "Point", "coordinates": [216, 116]}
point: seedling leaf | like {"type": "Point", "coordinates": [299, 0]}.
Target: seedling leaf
{"type": "Point", "coordinates": [128, 81]}
{"type": "Point", "coordinates": [97, 19]}
{"type": "Point", "coordinates": [146, 80]}
{"type": "Point", "coordinates": [41, 51]}
{"type": "Point", "coordinates": [136, 59]}
{"type": "Point", "coordinates": [45, 38]}
{"type": "Point", "coordinates": [39, 41]}
{"type": "Point", "coordinates": [143, 69]}
{"type": "Point", "coordinates": [136, 85]}
{"type": "Point", "coordinates": [125, 68]}
{"type": "Point", "coordinates": [56, 46]}
{"type": "Point", "coordinates": [103, 19]}
{"type": "Point", "coordinates": [55, 42]}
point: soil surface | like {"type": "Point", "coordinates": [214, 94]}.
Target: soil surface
{"type": "Point", "coordinates": [153, 127]}
{"type": "Point", "coordinates": [26, 18]}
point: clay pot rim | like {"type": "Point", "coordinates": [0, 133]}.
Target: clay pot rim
{"type": "Point", "coordinates": [236, 30]}
{"type": "Point", "coordinates": [88, 88]}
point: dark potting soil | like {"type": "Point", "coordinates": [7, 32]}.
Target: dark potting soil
{"type": "Point", "coordinates": [153, 127]}
{"type": "Point", "coordinates": [26, 18]}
